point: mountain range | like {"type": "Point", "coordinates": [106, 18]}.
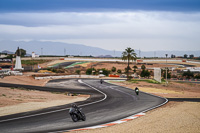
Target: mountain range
{"type": "Point", "coordinates": [58, 48]}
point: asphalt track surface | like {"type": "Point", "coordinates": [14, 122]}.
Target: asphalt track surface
{"type": "Point", "coordinates": [184, 99]}
{"type": "Point", "coordinates": [107, 103]}
{"type": "Point", "coordinates": [65, 64]}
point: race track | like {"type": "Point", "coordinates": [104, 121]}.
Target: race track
{"type": "Point", "coordinates": [107, 103]}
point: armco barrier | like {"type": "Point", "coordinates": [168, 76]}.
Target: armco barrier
{"type": "Point", "coordinates": [67, 76]}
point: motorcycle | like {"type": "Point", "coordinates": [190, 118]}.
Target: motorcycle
{"type": "Point", "coordinates": [101, 81]}
{"type": "Point", "coordinates": [76, 114]}
{"type": "Point", "coordinates": [137, 91]}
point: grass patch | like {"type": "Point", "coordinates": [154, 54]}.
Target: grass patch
{"type": "Point", "coordinates": [74, 94]}
{"type": "Point", "coordinates": [57, 92]}
{"type": "Point", "coordinates": [19, 99]}
{"type": "Point", "coordinates": [144, 80]}
{"type": "Point", "coordinates": [33, 62]}
{"type": "Point", "coordinates": [134, 81]}
{"type": "Point", "coordinates": [19, 88]}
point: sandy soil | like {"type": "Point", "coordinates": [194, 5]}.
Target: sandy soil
{"type": "Point", "coordinates": [14, 100]}
{"type": "Point", "coordinates": [174, 89]}
{"type": "Point", "coordinates": [123, 65]}
{"type": "Point", "coordinates": [25, 79]}
{"type": "Point", "coordinates": [182, 117]}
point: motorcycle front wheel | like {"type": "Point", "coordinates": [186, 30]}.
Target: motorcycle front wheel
{"type": "Point", "coordinates": [74, 117]}
{"type": "Point", "coordinates": [83, 117]}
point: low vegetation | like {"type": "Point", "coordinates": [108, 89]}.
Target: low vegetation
{"type": "Point", "coordinates": [145, 80]}
{"type": "Point", "coordinates": [19, 88]}
{"type": "Point", "coordinates": [33, 62]}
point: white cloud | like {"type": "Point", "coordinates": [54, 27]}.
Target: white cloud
{"type": "Point", "coordinates": [161, 30]}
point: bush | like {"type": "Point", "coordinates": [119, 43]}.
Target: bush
{"type": "Point", "coordinates": [145, 73]}
{"type": "Point", "coordinates": [105, 71]}
{"type": "Point", "coordinates": [127, 69]}
{"type": "Point", "coordinates": [197, 76]}
{"type": "Point", "coordinates": [119, 71]}
{"type": "Point", "coordinates": [113, 69]}
{"type": "Point", "coordinates": [89, 71]}
{"type": "Point", "coordinates": [78, 72]}
{"type": "Point", "coordinates": [188, 74]}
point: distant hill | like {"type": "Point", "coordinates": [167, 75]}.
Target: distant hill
{"type": "Point", "coordinates": [7, 52]}
{"type": "Point", "coordinates": [104, 56]}
{"type": "Point", "coordinates": [57, 48]}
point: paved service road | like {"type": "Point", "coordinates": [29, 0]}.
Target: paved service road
{"type": "Point", "coordinates": [107, 103]}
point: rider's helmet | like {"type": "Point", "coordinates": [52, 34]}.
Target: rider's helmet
{"type": "Point", "coordinates": [74, 106]}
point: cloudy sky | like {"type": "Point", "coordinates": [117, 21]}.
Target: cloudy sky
{"type": "Point", "coordinates": [148, 25]}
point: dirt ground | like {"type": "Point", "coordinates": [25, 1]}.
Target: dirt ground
{"type": "Point", "coordinates": [123, 65]}
{"type": "Point", "coordinates": [25, 79]}
{"type": "Point", "coordinates": [173, 90]}
{"type": "Point", "coordinates": [174, 117]}
{"type": "Point", "coordinates": [14, 100]}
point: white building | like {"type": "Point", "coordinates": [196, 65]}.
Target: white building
{"type": "Point", "coordinates": [34, 55]}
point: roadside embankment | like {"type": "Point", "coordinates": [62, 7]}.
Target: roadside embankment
{"type": "Point", "coordinates": [18, 100]}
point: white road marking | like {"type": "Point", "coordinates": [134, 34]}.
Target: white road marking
{"type": "Point", "coordinates": [121, 120]}
{"type": "Point", "coordinates": [166, 100]}
{"type": "Point", "coordinates": [80, 81]}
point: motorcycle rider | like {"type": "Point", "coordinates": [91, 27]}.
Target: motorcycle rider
{"type": "Point", "coordinates": [75, 106]}
{"type": "Point", "coordinates": [101, 81]}
{"type": "Point", "coordinates": [76, 113]}
{"type": "Point", "coordinates": [136, 90]}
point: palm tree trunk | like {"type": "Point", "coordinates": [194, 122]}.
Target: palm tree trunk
{"type": "Point", "coordinates": [128, 70]}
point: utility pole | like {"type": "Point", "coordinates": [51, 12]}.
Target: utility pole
{"type": "Point", "coordinates": [166, 69]}
{"type": "Point", "coordinates": [41, 51]}
{"type": "Point", "coordinates": [139, 53]}
{"type": "Point", "coordinates": [64, 52]}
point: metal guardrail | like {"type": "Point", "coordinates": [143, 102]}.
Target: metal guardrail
{"type": "Point", "coordinates": [67, 76]}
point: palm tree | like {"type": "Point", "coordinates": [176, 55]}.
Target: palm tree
{"type": "Point", "coordinates": [129, 54]}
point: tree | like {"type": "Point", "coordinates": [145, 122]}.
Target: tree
{"type": "Point", "coordinates": [185, 56]}
{"type": "Point", "coordinates": [129, 54]}
{"type": "Point", "coordinates": [22, 52]}
{"type": "Point", "coordinates": [197, 76]}
{"type": "Point", "coordinates": [163, 71]}
{"type": "Point", "coordinates": [89, 71]}
{"type": "Point", "coordinates": [173, 56]}
{"type": "Point", "coordinates": [113, 69]}
{"type": "Point", "coordinates": [9, 57]}
{"type": "Point", "coordinates": [78, 72]}
{"type": "Point", "coordinates": [191, 56]}
{"type": "Point", "coordinates": [127, 69]}
{"type": "Point", "coordinates": [143, 67]}
{"type": "Point", "coordinates": [119, 71]}
{"type": "Point", "coordinates": [188, 74]}
{"type": "Point", "coordinates": [135, 68]}
{"type": "Point", "coordinates": [144, 73]}
{"type": "Point", "coordinates": [105, 71]}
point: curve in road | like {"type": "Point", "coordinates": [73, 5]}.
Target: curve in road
{"type": "Point", "coordinates": [107, 103]}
